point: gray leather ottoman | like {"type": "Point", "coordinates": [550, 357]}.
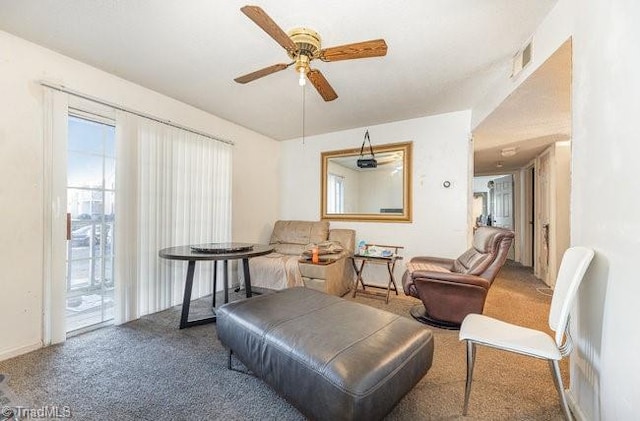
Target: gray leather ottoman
{"type": "Point", "coordinates": [329, 357]}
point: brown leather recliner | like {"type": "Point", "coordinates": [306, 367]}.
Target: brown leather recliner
{"type": "Point", "coordinates": [451, 289]}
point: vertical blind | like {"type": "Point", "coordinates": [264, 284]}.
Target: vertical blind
{"type": "Point", "coordinates": [173, 188]}
{"type": "Point", "coordinates": [56, 106]}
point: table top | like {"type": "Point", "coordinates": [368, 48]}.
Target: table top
{"type": "Point", "coordinates": [322, 261]}
{"type": "Point", "coordinates": [372, 257]}
{"type": "Point", "coordinates": [186, 253]}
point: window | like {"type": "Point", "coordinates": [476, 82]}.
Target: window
{"type": "Point", "coordinates": [335, 198]}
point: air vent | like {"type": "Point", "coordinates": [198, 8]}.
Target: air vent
{"type": "Point", "coordinates": [521, 59]}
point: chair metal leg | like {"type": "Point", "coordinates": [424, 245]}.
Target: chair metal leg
{"type": "Point", "coordinates": [557, 380]}
{"type": "Point", "coordinates": [471, 359]}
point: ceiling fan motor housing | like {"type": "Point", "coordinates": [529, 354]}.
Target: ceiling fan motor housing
{"type": "Point", "coordinates": [307, 41]}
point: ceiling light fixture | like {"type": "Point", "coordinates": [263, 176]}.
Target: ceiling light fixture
{"type": "Point", "coordinates": [302, 67]}
{"type": "Point", "coordinates": [302, 80]}
{"type": "Point", "coordinates": [507, 152]}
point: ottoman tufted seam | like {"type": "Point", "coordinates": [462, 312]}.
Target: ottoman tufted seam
{"type": "Point", "coordinates": [275, 325]}
{"type": "Point", "coordinates": [322, 370]}
{"type": "Point", "coordinates": [393, 373]}
{"type": "Point", "coordinates": [358, 341]}
{"type": "Point", "coordinates": [383, 380]}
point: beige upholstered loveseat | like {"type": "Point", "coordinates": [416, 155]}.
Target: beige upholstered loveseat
{"type": "Point", "coordinates": [290, 239]}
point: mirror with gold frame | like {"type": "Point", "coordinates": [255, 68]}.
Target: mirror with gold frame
{"type": "Point", "coordinates": [382, 194]}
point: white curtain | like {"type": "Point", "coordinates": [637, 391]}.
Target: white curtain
{"type": "Point", "coordinates": [55, 212]}
{"type": "Point", "coordinates": [173, 188]}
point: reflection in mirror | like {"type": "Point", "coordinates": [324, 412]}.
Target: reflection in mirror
{"type": "Point", "coordinates": [367, 194]}
{"type": "Point", "coordinates": [480, 208]}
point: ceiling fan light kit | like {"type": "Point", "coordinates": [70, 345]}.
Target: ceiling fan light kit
{"type": "Point", "coordinates": [308, 43]}
{"type": "Point", "coordinates": [304, 45]}
{"type": "Point", "coordinates": [302, 67]}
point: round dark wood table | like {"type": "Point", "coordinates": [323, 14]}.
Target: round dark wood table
{"type": "Point", "coordinates": [213, 252]}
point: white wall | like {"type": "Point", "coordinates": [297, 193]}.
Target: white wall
{"type": "Point", "coordinates": [555, 29]}
{"type": "Point", "coordinates": [380, 188]}
{"type": "Point", "coordinates": [22, 65]}
{"type": "Point", "coordinates": [441, 149]}
{"type": "Point", "coordinates": [605, 180]}
{"type": "Point", "coordinates": [605, 208]}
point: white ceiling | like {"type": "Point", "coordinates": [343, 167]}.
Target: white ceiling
{"type": "Point", "coordinates": [535, 115]}
{"type": "Point", "coordinates": [443, 55]}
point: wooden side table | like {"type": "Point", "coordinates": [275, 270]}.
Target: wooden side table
{"type": "Point", "coordinates": [390, 261]}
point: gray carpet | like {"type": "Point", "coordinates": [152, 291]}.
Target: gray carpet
{"type": "Point", "coordinates": [150, 370]}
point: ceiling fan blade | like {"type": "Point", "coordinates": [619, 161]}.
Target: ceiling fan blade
{"type": "Point", "coordinates": [261, 73]}
{"type": "Point", "coordinates": [322, 86]}
{"type": "Point", "coordinates": [372, 48]}
{"type": "Point", "coordinates": [267, 24]}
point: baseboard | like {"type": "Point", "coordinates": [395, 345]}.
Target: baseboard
{"type": "Point", "coordinates": [5, 355]}
{"type": "Point", "coordinates": [574, 407]}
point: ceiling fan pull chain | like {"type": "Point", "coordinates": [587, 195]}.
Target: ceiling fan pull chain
{"type": "Point", "coordinates": [303, 111]}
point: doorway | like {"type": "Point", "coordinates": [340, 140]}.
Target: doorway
{"type": "Point", "coordinates": [501, 202]}
{"type": "Point", "coordinates": [90, 221]}
{"type": "Point", "coordinates": [501, 206]}
{"type": "Point", "coordinates": [494, 203]}
{"type": "Point", "coordinates": [526, 214]}
{"type": "Point", "coordinates": [543, 217]}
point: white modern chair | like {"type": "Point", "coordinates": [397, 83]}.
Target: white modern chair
{"type": "Point", "coordinates": [484, 330]}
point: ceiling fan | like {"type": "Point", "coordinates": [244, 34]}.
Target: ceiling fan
{"type": "Point", "coordinates": [304, 45]}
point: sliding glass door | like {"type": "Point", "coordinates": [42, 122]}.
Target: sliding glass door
{"type": "Point", "coordinates": [90, 222]}
{"type": "Point", "coordinates": [103, 268]}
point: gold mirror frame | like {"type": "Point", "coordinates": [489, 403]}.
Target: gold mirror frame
{"type": "Point", "coordinates": [405, 216]}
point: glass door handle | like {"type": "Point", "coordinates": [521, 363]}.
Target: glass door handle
{"type": "Point", "coordinates": [68, 226]}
